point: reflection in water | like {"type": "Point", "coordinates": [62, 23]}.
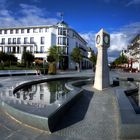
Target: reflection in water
{"type": "Point", "coordinates": [39, 95]}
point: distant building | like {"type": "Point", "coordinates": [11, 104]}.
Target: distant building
{"type": "Point", "coordinates": [38, 39]}
{"type": "Point", "coordinates": [133, 53]}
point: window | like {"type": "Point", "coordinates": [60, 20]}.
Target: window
{"type": "Point", "coordinates": [25, 40]}
{"type": "Point", "coordinates": [63, 41]}
{"type": "Point", "coordinates": [41, 30]}
{"type": "Point", "coordinates": [17, 31]}
{"type": "Point", "coordinates": [8, 49]}
{"type": "Point", "coordinates": [9, 40]}
{"type": "Point", "coordinates": [62, 31]}
{"type": "Point", "coordinates": [24, 49]}
{"type": "Point", "coordinates": [46, 29]}
{"type": "Point", "coordinates": [11, 31]}
{"type": "Point", "coordinates": [18, 50]}
{"type": "Point", "coordinates": [3, 41]}
{"type": "Point", "coordinates": [59, 31]}
{"type": "Point", "coordinates": [65, 50]}
{"type": "Point", "coordinates": [14, 49]}
{"type": "Point", "coordinates": [60, 40]}
{"type": "Point", "coordinates": [42, 41]}
{"type": "Point", "coordinates": [22, 31]}
{"type": "Point", "coordinates": [18, 40]}
{"type": "Point", "coordinates": [76, 44]}
{"type": "Point", "coordinates": [28, 30]}
{"type": "Point", "coordinates": [5, 31]}
{"type": "Point", "coordinates": [31, 40]}
{"type": "Point", "coordinates": [14, 40]}
{"type": "Point", "coordinates": [41, 49]}
{"type": "Point", "coordinates": [41, 96]}
{"type": "Point", "coordinates": [36, 49]}
{"type": "Point", "coordinates": [35, 30]}
{"type": "Point", "coordinates": [67, 41]}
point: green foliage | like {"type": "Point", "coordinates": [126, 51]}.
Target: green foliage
{"type": "Point", "coordinates": [93, 58]}
{"type": "Point", "coordinates": [15, 68]}
{"type": "Point", "coordinates": [3, 56]}
{"type": "Point", "coordinates": [55, 54]}
{"type": "Point", "coordinates": [7, 59]}
{"type": "Point", "coordinates": [50, 58]}
{"type": "Point", "coordinates": [12, 59]}
{"type": "Point", "coordinates": [27, 58]}
{"type": "Point", "coordinates": [76, 55]}
{"type": "Point", "coordinates": [20, 65]}
{"type": "Point", "coordinates": [121, 60]}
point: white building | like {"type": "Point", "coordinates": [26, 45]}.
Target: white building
{"type": "Point", "coordinates": [38, 39]}
{"type": "Point", "coordinates": [133, 53]}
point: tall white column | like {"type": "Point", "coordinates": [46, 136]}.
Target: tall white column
{"type": "Point", "coordinates": [102, 70]}
{"type": "Point", "coordinates": [101, 80]}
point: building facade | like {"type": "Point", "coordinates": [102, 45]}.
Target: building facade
{"type": "Point", "coordinates": [38, 40]}
{"type": "Point", "coordinates": [133, 53]}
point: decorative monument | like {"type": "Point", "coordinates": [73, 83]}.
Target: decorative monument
{"type": "Point", "coordinates": [102, 70]}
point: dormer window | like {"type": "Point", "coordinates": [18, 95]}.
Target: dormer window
{"type": "Point", "coordinates": [11, 31]}
{"type": "Point", "coordinates": [35, 30]}
{"type": "Point", "coordinates": [28, 30]}
{"type": "Point", "coordinates": [5, 31]}
{"type": "Point", "coordinates": [17, 31]}
{"type": "Point", "coordinates": [22, 31]}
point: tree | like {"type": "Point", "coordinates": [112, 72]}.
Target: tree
{"type": "Point", "coordinates": [56, 52]}
{"type": "Point", "coordinates": [93, 58]}
{"type": "Point", "coordinates": [55, 55]}
{"type": "Point", "coordinates": [12, 59]}
{"type": "Point", "coordinates": [50, 58]}
{"type": "Point", "coordinates": [27, 58]}
{"type": "Point", "coordinates": [122, 59]}
{"type": "Point", "coordinates": [7, 59]}
{"type": "Point", "coordinates": [3, 56]}
{"type": "Point", "coordinates": [76, 56]}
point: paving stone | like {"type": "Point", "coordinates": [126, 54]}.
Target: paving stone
{"type": "Point", "coordinates": [4, 132]}
{"type": "Point", "coordinates": [93, 116]}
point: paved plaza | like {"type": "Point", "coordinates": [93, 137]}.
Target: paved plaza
{"type": "Point", "coordinates": [94, 116]}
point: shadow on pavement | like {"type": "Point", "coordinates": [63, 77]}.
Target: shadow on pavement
{"type": "Point", "coordinates": [77, 111]}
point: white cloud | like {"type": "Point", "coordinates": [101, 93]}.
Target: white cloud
{"type": "Point", "coordinates": [89, 37]}
{"type": "Point", "coordinates": [4, 13]}
{"type": "Point", "coordinates": [118, 41]}
{"type": "Point", "coordinates": [119, 38]}
{"type": "Point", "coordinates": [28, 15]}
{"type": "Point", "coordinates": [111, 59]}
{"type": "Point", "coordinates": [133, 2]}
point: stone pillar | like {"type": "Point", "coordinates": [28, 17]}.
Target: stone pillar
{"type": "Point", "coordinates": [101, 80]}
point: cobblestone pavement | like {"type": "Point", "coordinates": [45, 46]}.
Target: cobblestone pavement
{"type": "Point", "coordinates": [93, 116]}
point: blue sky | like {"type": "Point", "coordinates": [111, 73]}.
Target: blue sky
{"type": "Point", "coordinates": [119, 17]}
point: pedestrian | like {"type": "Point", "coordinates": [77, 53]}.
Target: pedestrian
{"type": "Point", "coordinates": [37, 70]}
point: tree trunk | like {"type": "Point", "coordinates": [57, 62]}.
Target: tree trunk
{"type": "Point", "coordinates": [78, 68]}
